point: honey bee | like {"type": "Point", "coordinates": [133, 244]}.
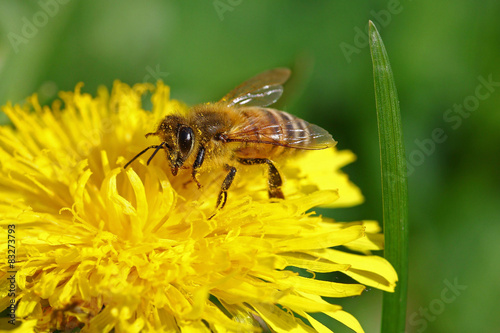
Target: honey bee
{"type": "Point", "coordinates": [238, 129]}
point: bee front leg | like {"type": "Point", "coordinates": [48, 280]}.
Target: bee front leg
{"type": "Point", "coordinates": [200, 157]}
{"type": "Point", "coordinates": [274, 181]}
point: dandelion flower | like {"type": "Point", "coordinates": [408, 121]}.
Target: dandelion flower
{"type": "Point", "coordinates": [103, 248]}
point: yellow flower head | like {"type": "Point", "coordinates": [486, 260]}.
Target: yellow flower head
{"type": "Point", "coordinates": [101, 247]}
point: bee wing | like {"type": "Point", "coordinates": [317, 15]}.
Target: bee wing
{"type": "Point", "coordinates": [281, 129]}
{"type": "Point", "coordinates": [261, 90]}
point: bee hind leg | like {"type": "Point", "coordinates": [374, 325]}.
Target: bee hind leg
{"type": "Point", "coordinates": [275, 181]}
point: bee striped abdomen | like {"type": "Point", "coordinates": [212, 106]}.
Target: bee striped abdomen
{"type": "Point", "coordinates": [270, 133]}
{"type": "Point", "coordinates": [296, 129]}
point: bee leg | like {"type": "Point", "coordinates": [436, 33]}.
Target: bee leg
{"type": "Point", "coordinates": [222, 198]}
{"type": "Point", "coordinates": [185, 184]}
{"type": "Point", "coordinates": [274, 181]}
{"type": "Point", "coordinates": [197, 164]}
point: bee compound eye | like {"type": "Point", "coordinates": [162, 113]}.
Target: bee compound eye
{"type": "Point", "coordinates": [186, 140]}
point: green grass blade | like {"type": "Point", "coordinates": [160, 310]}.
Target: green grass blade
{"type": "Point", "coordinates": [394, 183]}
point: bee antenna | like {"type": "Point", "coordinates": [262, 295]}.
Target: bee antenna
{"type": "Point", "coordinates": [158, 147]}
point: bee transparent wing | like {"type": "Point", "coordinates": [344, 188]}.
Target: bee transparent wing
{"type": "Point", "coordinates": [319, 138]}
{"type": "Point", "coordinates": [261, 90]}
{"type": "Point", "coordinates": [284, 130]}
{"type": "Point", "coordinates": [264, 96]}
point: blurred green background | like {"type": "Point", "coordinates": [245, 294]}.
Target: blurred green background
{"type": "Point", "coordinates": [443, 55]}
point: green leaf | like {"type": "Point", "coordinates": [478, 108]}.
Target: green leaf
{"type": "Point", "coordinates": [394, 183]}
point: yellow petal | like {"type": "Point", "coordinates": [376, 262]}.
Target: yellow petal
{"type": "Point", "coordinates": [280, 321]}
{"type": "Point", "coordinates": [319, 170]}
{"type": "Point", "coordinates": [312, 263]}
{"type": "Point", "coordinates": [298, 303]}
{"type": "Point", "coordinates": [370, 270]}
{"type": "Point", "coordinates": [322, 240]}
{"type": "Point", "coordinates": [322, 288]}
{"type": "Point", "coordinates": [346, 319]}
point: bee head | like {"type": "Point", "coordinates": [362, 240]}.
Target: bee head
{"type": "Point", "coordinates": [177, 140]}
